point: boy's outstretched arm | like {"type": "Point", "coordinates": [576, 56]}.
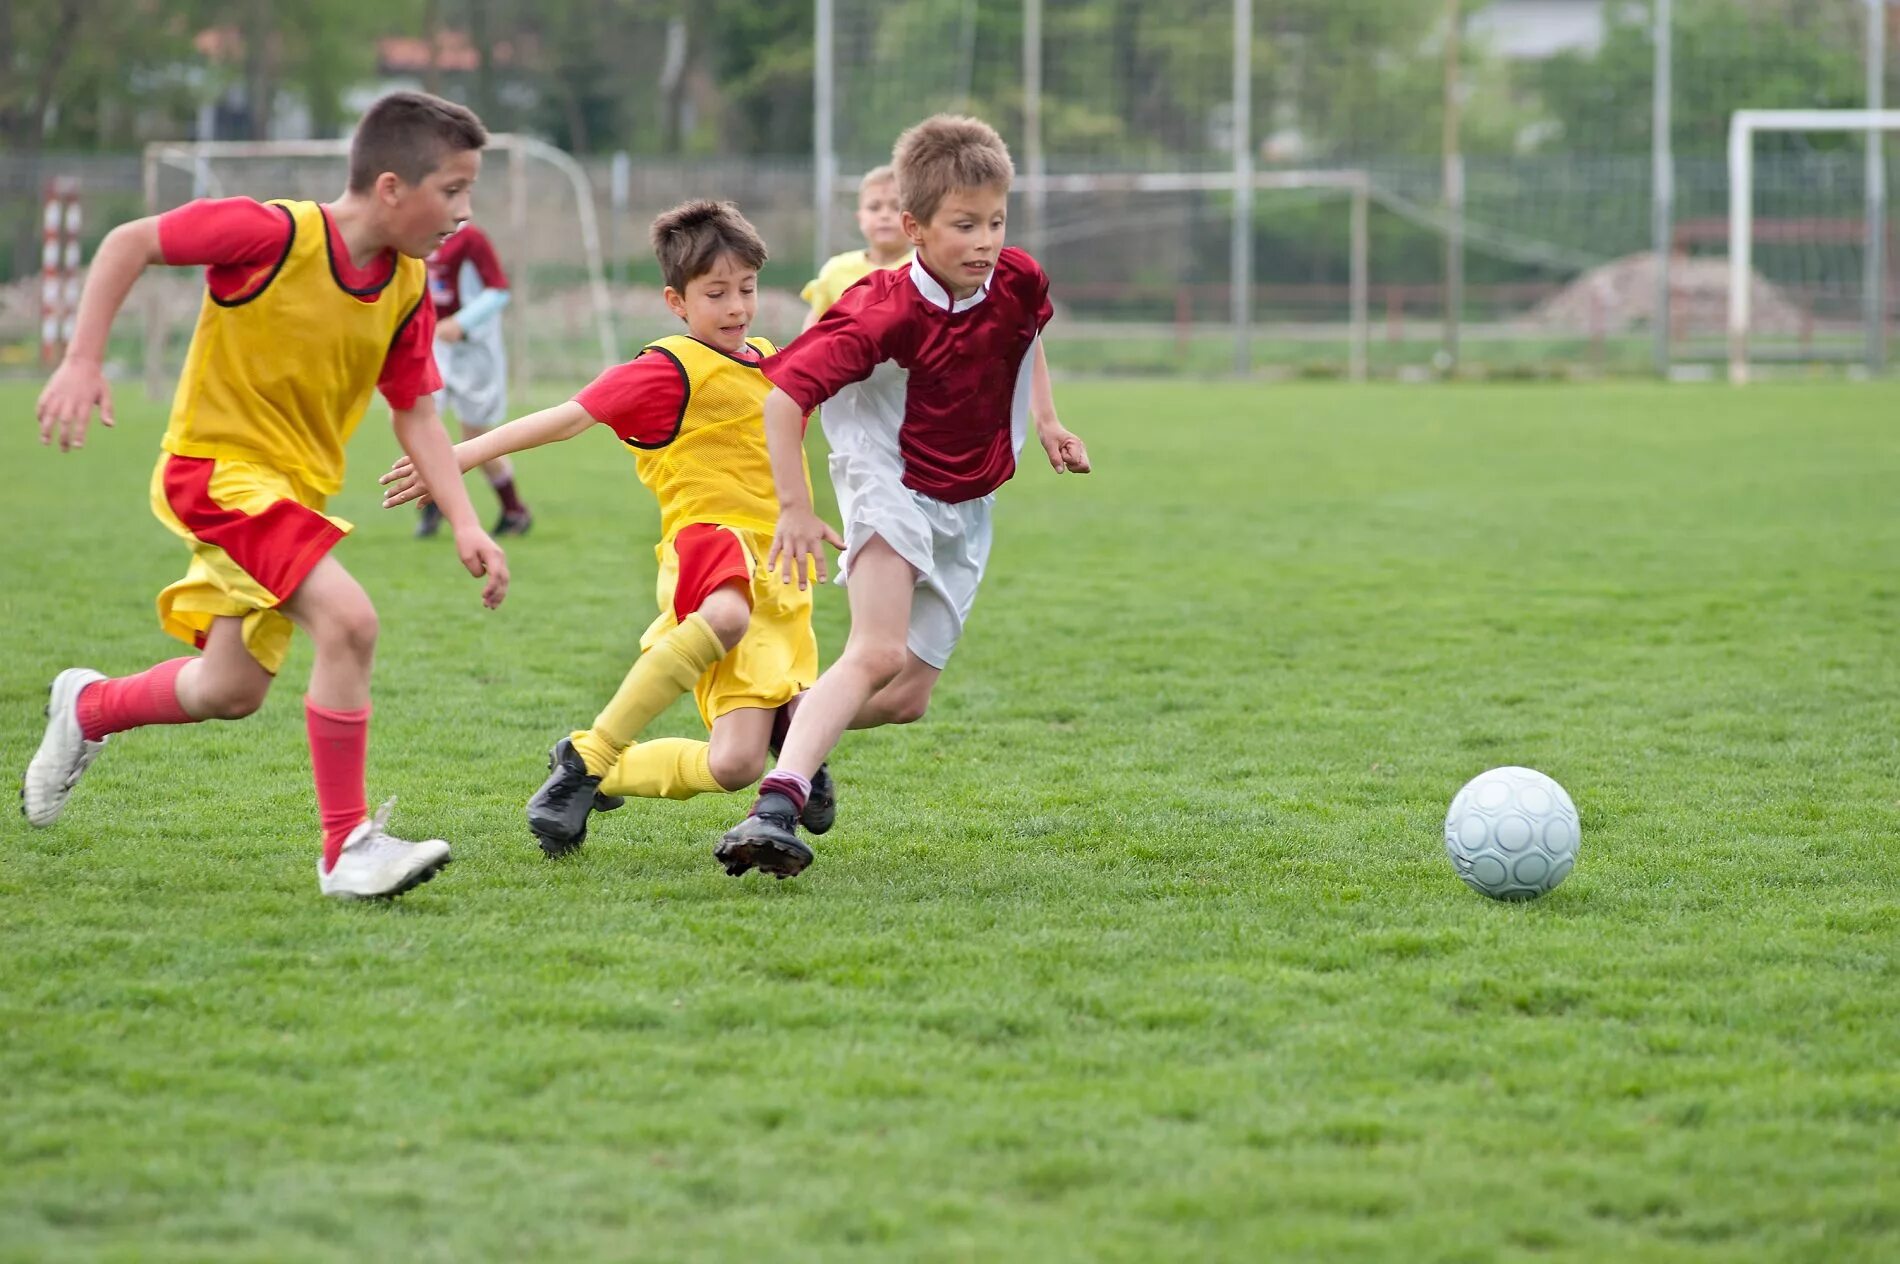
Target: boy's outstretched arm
{"type": "Point", "coordinates": [800, 530]}
{"type": "Point", "coordinates": [79, 383]}
{"type": "Point", "coordinates": [1064, 449]}
{"type": "Point", "coordinates": [550, 425]}
{"type": "Point", "coordinates": [420, 433]}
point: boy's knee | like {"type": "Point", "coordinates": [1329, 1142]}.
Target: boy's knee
{"type": "Point", "coordinates": [881, 663]}
{"type": "Point", "coordinates": [735, 770]}
{"type": "Point", "coordinates": [231, 699]}
{"type": "Point", "coordinates": [728, 613]}
{"type": "Point", "coordinates": [908, 708]}
{"type": "Point", "coordinates": [352, 631]}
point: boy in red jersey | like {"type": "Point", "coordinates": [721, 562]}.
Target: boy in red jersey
{"type": "Point", "coordinates": [930, 376]}
{"type": "Point", "coordinates": [469, 289]}
{"type": "Point", "coordinates": [308, 309]}
{"type": "Point", "coordinates": [687, 408]}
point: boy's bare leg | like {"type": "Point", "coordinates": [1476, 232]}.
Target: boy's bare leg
{"type": "Point", "coordinates": [874, 655]}
{"type": "Point", "coordinates": [85, 709]}
{"type": "Point", "coordinates": [359, 857]}
{"type": "Point", "coordinates": [904, 700]}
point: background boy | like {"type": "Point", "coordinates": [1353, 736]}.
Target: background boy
{"type": "Point", "coordinates": [307, 309]}
{"type": "Point", "coordinates": [932, 374]}
{"type": "Point", "coordinates": [469, 290]}
{"type": "Point", "coordinates": [880, 222]}
{"type": "Point", "coordinates": [688, 407]}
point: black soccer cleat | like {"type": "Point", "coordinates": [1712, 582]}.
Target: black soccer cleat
{"type": "Point", "coordinates": [557, 814]}
{"type": "Point", "coordinates": [603, 802]}
{"type": "Point", "coordinates": [767, 841]}
{"type": "Point", "coordinates": [429, 520]}
{"type": "Point", "coordinates": [512, 522]}
{"type": "Point", "coordinates": [821, 806]}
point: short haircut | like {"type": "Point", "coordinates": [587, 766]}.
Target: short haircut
{"type": "Point", "coordinates": [689, 240]}
{"type": "Point", "coordinates": [885, 174]}
{"type": "Point", "coordinates": [944, 153]}
{"type": "Point", "coordinates": [410, 133]}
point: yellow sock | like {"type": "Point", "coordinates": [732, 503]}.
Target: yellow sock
{"type": "Point", "coordinates": [666, 768]}
{"type": "Point", "coordinates": [663, 673]}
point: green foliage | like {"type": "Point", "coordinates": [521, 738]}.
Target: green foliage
{"type": "Point", "coordinates": [1726, 55]}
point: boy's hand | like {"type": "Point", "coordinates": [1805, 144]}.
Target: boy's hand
{"type": "Point", "coordinates": [484, 557]}
{"type": "Point", "coordinates": [1065, 451]}
{"type": "Point", "coordinates": [799, 534]}
{"type": "Point", "coordinates": [406, 486]}
{"type": "Point", "coordinates": [450, 330]}
{"type": "Point", "coordinates": [67, 402]}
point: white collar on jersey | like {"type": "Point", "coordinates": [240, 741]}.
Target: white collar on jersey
{"type": "Point", "coordinates": [933, 289]}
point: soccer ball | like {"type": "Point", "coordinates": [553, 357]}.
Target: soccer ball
{"type": "Point", "coordinates": [1512, 834]}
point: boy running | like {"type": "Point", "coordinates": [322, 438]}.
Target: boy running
{"type": "Point", "coordinates": [930, 376]}
{"type": "Point", "coordinates": [308, 308]}
{"type": "Point", "coordinates": [688, 408]}
{"type": "Point", "coordinates": [469, 290]}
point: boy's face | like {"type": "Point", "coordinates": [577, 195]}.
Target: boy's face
{"type": "Point", "coordinates": [963, 237]}
{"type": "Point", "coordinates": [421, 216]}
{"type": "Point", "coordinates": [879, 220]}
{"type": "Point", "coordinates": [718, 305]}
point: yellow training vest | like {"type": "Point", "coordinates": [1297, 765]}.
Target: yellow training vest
{"type": "Point", "coordinates": [283, 375]}
{"type": "Point", "coordinates": [715, 467]}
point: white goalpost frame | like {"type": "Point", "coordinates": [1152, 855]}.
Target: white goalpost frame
{"type": "Point", "coordinates": [195, 156]}
{"type": "Point", "coordinates": [1357, 184]}
{"type": "Point", "coordinates": [1743, 126]}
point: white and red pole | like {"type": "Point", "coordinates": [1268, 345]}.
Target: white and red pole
{"type": "Point", "coordinates": [59, 267]}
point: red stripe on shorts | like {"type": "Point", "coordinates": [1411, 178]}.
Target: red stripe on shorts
{"type": "Point", "coordinates": [277, 548]}
{"type": "Point", "coordinates": [709, 557]}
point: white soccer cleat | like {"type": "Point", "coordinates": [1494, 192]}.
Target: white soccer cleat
{"type": "Point", "coordinates": [64, 753]}
{"type": "Point", "coordinates": [375, 864]}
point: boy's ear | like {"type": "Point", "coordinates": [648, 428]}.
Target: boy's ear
{"type": "Point", "coordinates": [675, 302]}
{"type": "Point", "coordinates": [912, 229]}
{"type": "Point", "coordinates": [388, 187]}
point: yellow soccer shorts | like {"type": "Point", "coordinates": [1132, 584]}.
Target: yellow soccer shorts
{"type": "Point", "coordinates": [777, 659]}
{"type": "Point", "coordinates": [254, 532]}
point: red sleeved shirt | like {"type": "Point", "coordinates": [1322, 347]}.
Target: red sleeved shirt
{"type": "Point", "coordinates": [644, 400]}
{"type": "Point", "coordinates": [239, 241]}
{"type": "Point", "coordinates": [469, 245]}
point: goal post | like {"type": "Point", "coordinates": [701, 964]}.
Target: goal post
{"type": "Point", "coordinates": [544, 222]}
{"type": "Point", "coordinates": [1744, 126]}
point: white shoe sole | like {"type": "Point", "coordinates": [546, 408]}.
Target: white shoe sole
{"type": "Point", "coordinates": [63, 756]}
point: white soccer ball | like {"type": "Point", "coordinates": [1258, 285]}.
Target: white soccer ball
{"type": "Point", "coordinates": [1512, 834]}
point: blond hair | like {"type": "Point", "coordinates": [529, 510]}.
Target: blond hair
{"type": "Point", "coordinates": [943, 154]}
{"type": "Point", "coordinates": [689, 240]}
{"type": "Point", "coordinates": [885, 174]}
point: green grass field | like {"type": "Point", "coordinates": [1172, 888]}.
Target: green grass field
{"type": "Point", "coordinates": [1143, 946]}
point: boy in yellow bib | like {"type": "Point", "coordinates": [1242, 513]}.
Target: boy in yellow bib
{"type": "Point", "coordinates": [880, 222]}
{"type": "Point", "coordinates": [308, 309]}
{"type": "Point", "coordinates": [688, 408]}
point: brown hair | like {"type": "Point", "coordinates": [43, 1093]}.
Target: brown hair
{"type": "Point", "coordinates": [689, 239]}
{"type": "Point", "coordinates": [410, 133]}
{"type": "Point", "coordinates": [944, 153]}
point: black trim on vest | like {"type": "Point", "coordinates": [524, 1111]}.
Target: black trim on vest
{"type": "Point", "coordinates": [277, 267]}
{"type": "Point", "coordinates": [329, 252]}
{"type": "Point", "coordinates": [407, 317]}
{"type": "Point", "coordinates": [750, 364]}
{"type": "Point", "coordinates": [686, 398]}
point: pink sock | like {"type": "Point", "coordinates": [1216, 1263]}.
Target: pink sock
{"type": "Point", "coordinates": [151, 697]}
{"type": "Point", "coordinates": [789, 784]}
{"type": "Point", "coordinates": [339, 749]}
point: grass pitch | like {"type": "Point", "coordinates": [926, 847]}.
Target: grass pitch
{"type": "Point", "coordinates": [1142, 946]}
